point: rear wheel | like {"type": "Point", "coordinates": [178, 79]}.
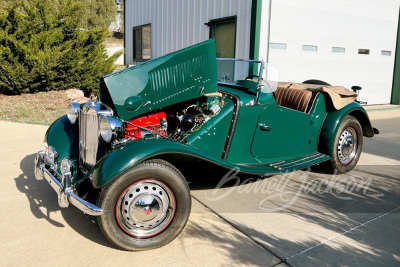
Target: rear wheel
{"type": "Point", "coordinates": [347, 146]}
{"type": "Point", "coordinates": [146, 207]}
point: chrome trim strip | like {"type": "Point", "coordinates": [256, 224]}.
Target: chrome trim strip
{"type": "Point", "coordinates": [277, 163]}
{"type": "Point", "coordinates": [304, 162]}
{"type": "Point", "coordinates": [299, 160]}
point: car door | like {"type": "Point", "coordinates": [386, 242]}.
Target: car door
{"type": "Point", "coordinates": [282, 132]}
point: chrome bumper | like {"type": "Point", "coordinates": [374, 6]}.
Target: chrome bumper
{"type": "Point", "coordinates": [63, 187]}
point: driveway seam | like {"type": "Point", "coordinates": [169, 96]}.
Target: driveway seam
{"type": "Point", "coordinates": [343, 233]}
{"type": "Point", "coordinates": [282, 260]}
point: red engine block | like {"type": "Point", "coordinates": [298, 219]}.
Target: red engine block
{"type": "Point", "coordinates": [150, 122]}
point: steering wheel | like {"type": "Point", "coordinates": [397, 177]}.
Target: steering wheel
{"type": "Point", "coordinates": [251, 77]}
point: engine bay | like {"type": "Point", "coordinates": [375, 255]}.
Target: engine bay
{"type": "Point", "coordinates": [178, 121]}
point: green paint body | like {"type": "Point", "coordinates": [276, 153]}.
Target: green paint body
{"type": "Point", "coordinates": [332, 122]}
{"type": "Point", "coordinates": [64, 137]}
{"type": "Point", "coordinates": [186, 74]}
{"type": "Point", "coordinates": [212, 136]}
{"type": "Point", "coordinates": [264, 133]}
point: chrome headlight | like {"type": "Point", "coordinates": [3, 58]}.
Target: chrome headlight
{"type": "Point", "coordinates": [73, 112]}
{"type": "Point", "coordinates": [110, 127]}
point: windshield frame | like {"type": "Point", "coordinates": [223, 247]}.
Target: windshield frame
{"type": "Point", "coordinates": [260, 72]}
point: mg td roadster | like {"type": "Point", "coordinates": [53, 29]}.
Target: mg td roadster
{"type": "Point", "coordinates": [188, 106]}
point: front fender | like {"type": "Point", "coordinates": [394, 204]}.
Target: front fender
{"type": "Point", "coordinates": [122, 159]}
{"type": "Point", "coordinates": [64, 137]}
{"type": "Point", "coordinates": [333, 120]}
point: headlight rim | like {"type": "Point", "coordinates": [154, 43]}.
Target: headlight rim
{"type": "Point", "coordinates": [115, 127]}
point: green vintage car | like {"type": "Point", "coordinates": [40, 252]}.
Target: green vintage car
{"type": "Point", "coordinates": [126, 146]}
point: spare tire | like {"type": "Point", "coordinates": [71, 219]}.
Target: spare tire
{"type": "Point", "coordinates": [318, 82]}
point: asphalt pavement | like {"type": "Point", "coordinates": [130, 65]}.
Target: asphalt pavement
{"type": "Point", "coordinates": [306, 218]}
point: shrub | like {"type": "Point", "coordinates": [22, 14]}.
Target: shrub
{"type": "Point", "coordinates": [96, 13]}
{"type": "Point", "coordinates": [42, 48]}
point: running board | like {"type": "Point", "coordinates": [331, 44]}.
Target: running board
{"type": "Point", "coordinates": [299, 162]}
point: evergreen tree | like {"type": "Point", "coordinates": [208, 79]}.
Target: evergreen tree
{"type": "Point", "coordinates": [43, 47]}
{"type": "Point", "coordinates": [96, 13]}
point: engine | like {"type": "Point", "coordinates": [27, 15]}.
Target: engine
{"type": "Point", "coordinates": [175, 122]}
{"type": "Point", "coordinates": [155, 123]}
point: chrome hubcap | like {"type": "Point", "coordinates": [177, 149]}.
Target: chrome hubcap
{"type": "Point", "coordinates": [145, 208]}
{"type": "Point", "coordinates": [347, 147]}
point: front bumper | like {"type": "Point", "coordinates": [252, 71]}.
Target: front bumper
{"type": "Point", "coordinates": [63, 188]}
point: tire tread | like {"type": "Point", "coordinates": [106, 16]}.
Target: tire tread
{"type": "Point", "coordinates": [152, 163]}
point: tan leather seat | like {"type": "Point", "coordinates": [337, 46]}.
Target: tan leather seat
{"type": "Point", "coordinates": [293, 98]}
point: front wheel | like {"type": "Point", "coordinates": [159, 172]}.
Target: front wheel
{"type": "Point", "coordinates": [146, 207]}
{"type": "Point", "coordinates": [347, 146]}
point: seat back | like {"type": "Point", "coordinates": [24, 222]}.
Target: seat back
{"type": "Point", "coordinates": [294, 99]}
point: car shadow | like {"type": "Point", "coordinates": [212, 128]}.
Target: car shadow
{"type": "Point", "coordinates": [43, 204]}
{"type": "Point", "coordinates": [371, 253]}
{"type": "Point", "coordinates": [337, 205]}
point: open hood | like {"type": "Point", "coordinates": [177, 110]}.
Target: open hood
{"type": "Point", "coordinates": [186, 74]}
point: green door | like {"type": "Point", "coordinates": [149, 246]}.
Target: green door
{"type": "Point", "coordinates": [224, 32]}
{"type": "Point", "coordinates": [282, 132]}
{"type": "Point", "coordinates": [285, 133]}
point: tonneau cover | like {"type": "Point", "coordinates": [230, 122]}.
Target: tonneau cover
{"type": "Point", "coordinates": [339, 95]}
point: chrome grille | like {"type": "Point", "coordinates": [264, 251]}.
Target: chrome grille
{"type": "Point", "coordinates": [88, 136]}
{"type": "Point", "coordinates": [89, 133]}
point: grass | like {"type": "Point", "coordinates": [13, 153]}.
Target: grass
{"type": "Point", "coordinates": [42, 108]}
{"type": "Point", "coordinates": [39, 108]}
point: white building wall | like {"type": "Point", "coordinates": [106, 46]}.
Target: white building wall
{"type": "Point", "coordinates": [264, 30]}
{"type": "Point", "coordinates": [176, 24]}
{"type": "Point", "coordinates": [367, 24]}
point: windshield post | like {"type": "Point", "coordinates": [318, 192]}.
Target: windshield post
{"type": "Point", "coordinates": [241, 75]}
{"type": "Point", "coordinates": [259, 82]}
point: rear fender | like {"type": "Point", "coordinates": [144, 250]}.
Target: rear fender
{"type": "Point", "coordinates": [333, 120]}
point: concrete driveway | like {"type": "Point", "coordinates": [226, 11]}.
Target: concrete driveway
{"type": "Point", "coordinates": [35, 231]}
{"type": "Point", "coordinates": [112, 50]}
{"type": "Point", "coordinates": [308, 218]}
{"type": "Point", "coordinates": [299, 219]}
